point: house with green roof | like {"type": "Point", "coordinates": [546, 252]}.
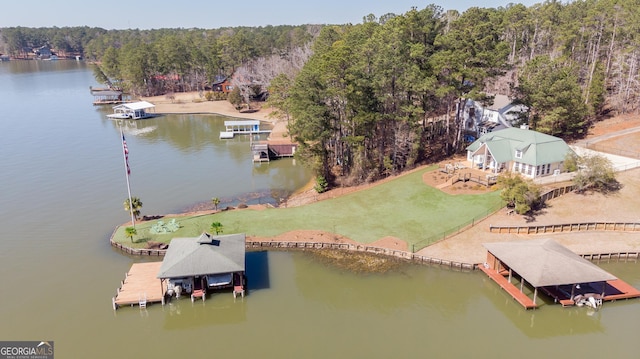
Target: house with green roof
{"type": "Point", "coordinates": [530, 153]}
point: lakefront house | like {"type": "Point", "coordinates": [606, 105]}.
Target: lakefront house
{"type": "Point", "coordinates": [481, 118]}
{"type": "Point", "coordinates": [530, 153]}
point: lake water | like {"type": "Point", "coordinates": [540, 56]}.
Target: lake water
{"type": "Point", "coordinates": [62, 188]}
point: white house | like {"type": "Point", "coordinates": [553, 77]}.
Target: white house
{"type": "Point", "coordinates": [530, 153]}
{"type": "Point", "coordinates": [481, 119]}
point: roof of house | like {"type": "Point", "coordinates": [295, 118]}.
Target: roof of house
{"type": "Point", "coordinates": [219, 79]}
{"type": "Point", "coordinates": [499, 102]}
{"type": "Point", "coordinates": [537, 148]}
{"type": "Point", "coordinates": [207, 254]}
{"type": "Point", "coordinates": [241, 123]}
{"type": "Point", "coordinates": [544, 262]}
{"type": "Point", "coordinates": [140, 105]}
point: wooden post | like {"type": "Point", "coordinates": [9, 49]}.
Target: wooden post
{"type": "Point", "coordinates": [162, 290]}
{"type": "Point", "coordinates": [573, 290]}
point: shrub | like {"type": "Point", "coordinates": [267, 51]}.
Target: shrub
{"type": "Point", "coordinates": [235, 98]}
{"type": "Point", "coordinates": [321, 184]}
{"type": "Point", "coordinates": [523, 195]}
{"type": "Point", "coordinates": [571, 162]}
{"type": "Point", "coordinates": [215, 96]}
{"type": "Point", "coordinates": [596, 172]}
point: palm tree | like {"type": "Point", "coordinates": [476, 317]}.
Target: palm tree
{"type": "Point", "coordinates": [216, 227]}
{"type": "Point", "coordinates": [130, 232]}
{"type": "Point", "coordinates": [216, 202]}
{"type": "Point", "coordinates": [137, 205]}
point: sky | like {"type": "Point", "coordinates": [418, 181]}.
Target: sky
{"type": "Point", "coordinates": [211, 14]}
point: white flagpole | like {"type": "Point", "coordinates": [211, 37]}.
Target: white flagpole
{"type": "Point", "coordinates": [126, 173]}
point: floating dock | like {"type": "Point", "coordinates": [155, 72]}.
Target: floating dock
{"type": "Point", "coordinates": [140, 286]}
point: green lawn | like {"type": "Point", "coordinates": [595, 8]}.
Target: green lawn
{"type": "Point", "coordinates": [405, 208]}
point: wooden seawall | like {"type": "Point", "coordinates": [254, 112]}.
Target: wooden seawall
{"type": "Point", "coordinates": [416, 258]}
{"type": "Point", "coordinates": [568, 227]}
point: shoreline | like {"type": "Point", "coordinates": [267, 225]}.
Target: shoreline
{"type": "Point", "coordinates": [466, 246]}
{"type": "Point", "coordinates": [190, 103]}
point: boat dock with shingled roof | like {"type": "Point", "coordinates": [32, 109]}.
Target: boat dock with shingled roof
{"type": "Point", "coordinates": [554, 270]}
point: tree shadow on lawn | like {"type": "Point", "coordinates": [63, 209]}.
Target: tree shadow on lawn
{"type": "Point", "coordinates": [531, 216]}
{"type": "Point", "coordinates": [141, 240]}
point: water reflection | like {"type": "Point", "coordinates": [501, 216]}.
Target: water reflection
{"type": "Point", "coordinates": [409, 285]}
{"type": "Point", "coordinates": [257, 271]}
{"type": "Point", "coordinates": [217, 310]}
{"type": "Point", "coordinates": [549, 320]}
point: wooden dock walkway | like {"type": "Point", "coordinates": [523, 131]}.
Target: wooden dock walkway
{"type": "Point", "coordinates": [520, 297]}
{"type": "Point", "coordinates": [627, 291]}
{"type": "Point", "coordinates": [140, 283]}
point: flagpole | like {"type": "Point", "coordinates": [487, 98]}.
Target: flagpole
{"type": "Point", "coordinates": [126, 173]}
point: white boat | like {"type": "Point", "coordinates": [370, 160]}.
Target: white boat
{"type": "Point", "coordinates": [131, 111]}
{"type": "Point", "coordinates": [226, 135]}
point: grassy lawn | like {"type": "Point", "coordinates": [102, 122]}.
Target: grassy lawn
{"type": "Point", "coordinates": [405, 208]}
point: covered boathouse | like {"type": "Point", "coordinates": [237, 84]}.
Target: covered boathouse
{"type": "Point", "coordinates": [209, 262]}
{"type": "Point", "coordinates": [133, 111]}
{"type": "Point", "coordinates": [553, 269]}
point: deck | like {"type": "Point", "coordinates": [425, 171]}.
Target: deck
{"type": "Point", "coordinates": [520, 297]}
{"type": "Point", "coordinates": [140, 282]}
{"type": "Point", "coordinates": [615, 289]}
{"type": "Point", "coordinates": [626, 291]}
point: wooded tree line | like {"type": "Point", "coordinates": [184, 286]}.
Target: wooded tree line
{"type": "Point", "coordinates": [151, 62]}
{"type": "Point", "coordinates": [381, 96]}
{"type": "Point", "coordinates": [375, 98]}
{"type": "Point", "coordinates": [20, 41]}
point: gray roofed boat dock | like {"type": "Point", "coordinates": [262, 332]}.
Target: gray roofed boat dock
{"type": "Point", "coordinates": [202, 263]}
{"type": "Point", "coordinates": [552, 268]}
{"type": "Point", "coordinates": [203, 255]}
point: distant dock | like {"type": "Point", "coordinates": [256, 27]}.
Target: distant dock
{"type": "Point", "coordinates": [107, 96]}
{"type": "Point", "coordinates": [244, 127]}
{"type": "Point", "coordinates": [263, 151]}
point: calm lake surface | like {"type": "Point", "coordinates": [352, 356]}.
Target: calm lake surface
{"type": "Point", "coordinates": [62, 188]}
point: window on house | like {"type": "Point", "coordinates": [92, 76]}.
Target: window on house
{"type": "Point", "coordinates": [518, 154]}
{"type": "Point", "coordinates": [548, 168]}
